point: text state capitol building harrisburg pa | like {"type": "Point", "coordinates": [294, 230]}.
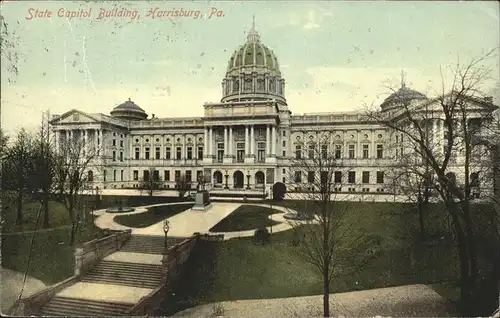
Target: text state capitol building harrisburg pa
{"type": "Point", "coordinates": [248, 140]}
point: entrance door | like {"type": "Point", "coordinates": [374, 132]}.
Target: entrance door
{"type": "Point", "coordinates": [238, 179]}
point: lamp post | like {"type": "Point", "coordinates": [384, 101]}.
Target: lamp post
{"type": "Point", "coordinates": [227, 176]}
{"type": "Point", "coordinates": [166, 227]}
{"type": "Point", "coordinates": [248, 179]}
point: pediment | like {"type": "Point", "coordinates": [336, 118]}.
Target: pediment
{"type": "Point", "coordinates": [74, 117]}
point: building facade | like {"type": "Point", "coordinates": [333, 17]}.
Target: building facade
{"type": "Point", "coordinates": [247, 141]}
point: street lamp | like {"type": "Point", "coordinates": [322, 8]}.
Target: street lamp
{"type": "Point", "coordinates": [166, 227]}
{"type": "Point", "coordinates": [227, 176]}
{"type": "Point", "coordinates": [248, 179]}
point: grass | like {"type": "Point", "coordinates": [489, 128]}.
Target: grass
{"type": "Point", "coordinates": [246, 217]}
{"type": "Point", "coordinates": [153, 215]}
{"type": "Point", "coordinates": [52, 258]}
{"type": "Point", "coordinates": [241, 269]}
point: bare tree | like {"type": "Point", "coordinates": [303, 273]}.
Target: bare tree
{"type": "Point", "coordinates": [182, 185]}
{"type": "Point", "coordinates": [328, 241]}
{"type": "Point", "coordinates": [17, 170]}
{"type": "Point", "coordinates": [458, 113]}
{"type": "Point", "coordinates": [72, 164]}
{"type": "Point", "coordinates": [151, 181]}
{"type": "Point", "coordinates": [44, 172]}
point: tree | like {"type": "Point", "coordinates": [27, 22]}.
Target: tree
{"type": "Point", "coordinates": [151, 181]}
{"type": "Point", "coordinates": [329, 242]}
{"type": "Point", "coordinates": [182, 185]}
{"type": "Point", "coordinates": [18, 170]}
{"type": "Point", "coordinates": [44, 172]}
{"type": "Point", "coordinates": [71, 170]}
{"type": "Point", "coordinates": [279, 191]}
{"type": "Point", "coordinates": [460, 111]}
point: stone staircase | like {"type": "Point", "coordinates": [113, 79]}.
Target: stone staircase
{"type": "Point", "coordinates": [147, 244]}
{"type": "Point", "coordinates": [61, 306]}
{"type": "Point", "coordinates": [126, 274]}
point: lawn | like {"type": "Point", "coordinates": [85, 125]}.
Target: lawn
{"type": "Point", "coordinates": [153, 215]}
{"type": "Point", "coordinates": [241, 269]}
{"type": "Point", "coordinates": [52, 258]}
{"type": "Point", "coordinates": [246, 217]}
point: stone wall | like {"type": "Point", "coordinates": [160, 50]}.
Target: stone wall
{"type": "Point", "coordinates": [172, 262]}
{"type": "Point", "coordinates": [89, 253]}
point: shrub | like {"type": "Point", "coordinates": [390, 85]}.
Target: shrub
{"type": "Point", "coordinates": [279, 191]}
{"type": "Point", "coordinates": [262, 235]}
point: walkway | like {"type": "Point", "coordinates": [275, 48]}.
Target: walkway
{"type": "Point", "coordinates": [401, 301]}
{"type": "Point", "coordinates": [186, 223]}
{"type": "Point", "coordinates": [12, 283]}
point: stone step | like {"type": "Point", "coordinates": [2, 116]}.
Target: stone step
{"type": "Point", "coordinates": [128, 265]}
{"type": "Point", "coordinates": [122, 282]}
{"type": "Point", "coordinates": [62, 306]}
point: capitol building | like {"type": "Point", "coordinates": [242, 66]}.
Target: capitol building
{"type": "Point", "coordinates": [249, 140]}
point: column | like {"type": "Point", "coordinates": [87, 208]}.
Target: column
{"type": "Point", "coordinates": [184, 150]}
{"type": "Point", "coordinates": [230, 146]}
{"type": "Point", "coordinates": [247, 144]}
{"type": "Point", "coordinates": [210, 140]}
{"type": "Point", "coordinates": [268, 150]}
{"type": "Point", "coordinates": [85, 144]}
{"type": "Point", "coordinates": [225, 141]}
{"type": "Point", "coordinates": [358, 145]}
{"type": "Point", "coordinates": [252, 140]}
{"type": "Point", "coordinates": [273, 141]}
{"type": "Point", "coordinates": [205, 142]}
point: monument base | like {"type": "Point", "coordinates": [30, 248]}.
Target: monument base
{"type": "Point", "coordinates": [202, 201]}
{"type": "Point", "coordinates": [202, 208]}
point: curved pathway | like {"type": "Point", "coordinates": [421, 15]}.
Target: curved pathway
{"type": "Point", "coordinates": [12, 282]}
{"type": "Point", "coordinates": [186, 223]}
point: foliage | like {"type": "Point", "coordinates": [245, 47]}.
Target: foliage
{"type": "Point", "coordinates": [262, 236]}
{"type": "Point", "coordinates": [182, 185]}
{"type": "Point", "coordinates": [279, 191]}
{"type": "Point", "coordinates": [151, 182]}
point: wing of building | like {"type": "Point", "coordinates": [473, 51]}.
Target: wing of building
{"type": "Point", "coordinates": [247, 141]}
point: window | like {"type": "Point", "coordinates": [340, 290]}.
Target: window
{"type": "Point", "coordinates": [261, 152]}
{"type": "Point", "coordinates": [298, 152]}
{"type": "Point", "coordinates": [284, 143]}
{"type": "Point", "coordinates": [114, 155]}
{"type": "Point", "coordinates": [380, 177]}
{"type": "Point", "coordinates": [136, 175]}
{"type": "Point", "coordinates": [380, 151]}
{"type": "Point", "coordinates": [121, 156]}
{"type": "Point", "coordinates": [200, 153]}
{"type": "Point", "coordinates": [166, 175]}
{"type": "Point", "coordinates": [284, 153]}
{"type": "Point", "coordinates": [220, 151]}
{"type": "Point", "coordinates": [366, 176]}
{"type": "Point", "coordinates": [298, 176]}
{"type": "Point", "coordinates": [121, 175]}
{"type": "Point", "coordinates": [147, 153]}
{"type": "Point", "coordinates": [324, 180]}
{"type": "Point", "coordinates": [157, 153]}
{"type": "Point", "coordinates": [90, 176]}
{"type": "Point", "coordinates": [114, 142]}
{"type": "Point", "coordinates": [177, 175]}
{"type": "Point", "coordinates": [199, 176]}
{"type": "Point", "coordinates": [338, 151]}
{"type": "Point", "coordinates": [167, 153]}
{"type": "Point", "coordinates": [178, 153]}
{"type": "Point", "coordinates": [351, 177]}
{"type": "Point", "coordinates": [284, 133]}
{"type": "Point", "coordinates": [351, 151]}
{"type": "Point", "coordinates": [105, 175]}
{"type": "Point", "coordinates": [114, 134]}
{"type": "Point", "coordinates": [240, 152]}
{"type": "Point", "coordinates": [121, 143]}
{"type": "Point", "coordinates": [156, 175]}
{"type": "Point", "coordinates": [145, 175]}
{"type": "Point", "coordinates": [311, 152]}
{"type": "Point", "coordinates": [338, 177]}
{"type": "Point", "coordinates": [188, 176]}
{"type": "Point", "coordinates": [365, 151]}
{"type": "Point", "coordinates": [324, 151]}
{"type": "Point", "coordinates": [310, 176]}
{"type": "Point", "coordinates": [189, 153]}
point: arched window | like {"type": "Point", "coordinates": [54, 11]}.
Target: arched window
{"type": "Point", "coordinates": [217, 177]}
{"type": "Point", "coordinates": [236, 85]}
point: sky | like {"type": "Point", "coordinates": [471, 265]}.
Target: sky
{"type": "Point", "coordinates": [335, 56]}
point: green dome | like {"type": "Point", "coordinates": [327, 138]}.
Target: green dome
{"type": "Point", "coordinates": [253, 53]}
